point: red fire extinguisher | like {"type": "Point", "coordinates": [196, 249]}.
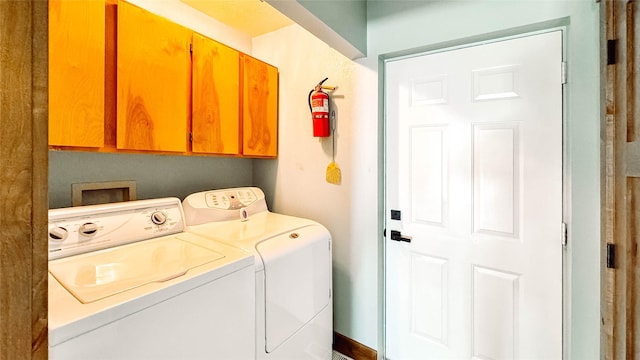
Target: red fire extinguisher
{"type": "Point", "coordinates": [319, 107]}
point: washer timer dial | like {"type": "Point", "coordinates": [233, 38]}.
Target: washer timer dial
{"type": "Point", "coordinates": [58, 233]}
{"type": "Point", "coordinates": [88, 229]}
{"type": "Point", "coordinates": [158, 217]}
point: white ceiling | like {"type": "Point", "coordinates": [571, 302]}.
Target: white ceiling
{"type": "Point", "coordinates": [253, 17]}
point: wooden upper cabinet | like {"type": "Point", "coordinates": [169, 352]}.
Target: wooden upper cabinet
{"type": "Point", "coordinates": [122, 78]}
{"type": "Point", "coordinates": [153, 81]}
{"type": "Point", "coordinates": [76, 73]}
{"type": "Point", "coordinates": [215, 122]}
{"type": "Point", "coordinates": [259, 108]}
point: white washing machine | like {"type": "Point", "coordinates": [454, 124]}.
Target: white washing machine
{"type": "Point", "coordinates": [294, 307]}
{"type": "Point", "coordinates": [126, 282]}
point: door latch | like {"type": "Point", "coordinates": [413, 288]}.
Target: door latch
{"type": "Point", "coordinates": [397, 236]}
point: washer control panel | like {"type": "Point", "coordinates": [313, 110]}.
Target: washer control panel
{"type": "Point", "coordinates": [88, 228]}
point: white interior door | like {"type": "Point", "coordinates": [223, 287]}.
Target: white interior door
{"type": "Point", "coordinates": [474, 165]}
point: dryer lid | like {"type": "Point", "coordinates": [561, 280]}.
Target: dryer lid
{"type": "Point", "coordinates": [246, 235]}
{"type": "Point", "coordinates": [97, 275]}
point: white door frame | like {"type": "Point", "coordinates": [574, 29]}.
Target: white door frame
{"type": "Point", "coordinates": [566, 172]}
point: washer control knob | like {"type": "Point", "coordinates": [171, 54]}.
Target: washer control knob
{"type": "Point", "coordinates": [58, 233]}
{"type": "Point", "coordinates": [88, 229]}
{"type": "Point", "coordinates": [158, 218]}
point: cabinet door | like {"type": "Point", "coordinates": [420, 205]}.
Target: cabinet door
{"type": "Point", "coordinates": [76, 73]}
{"type": "Point", "coordinates": [215, 121]}
{"type": "Point", "coordinates": [259, 108]}
{"type": "Point", "coordinates": [153, 81]}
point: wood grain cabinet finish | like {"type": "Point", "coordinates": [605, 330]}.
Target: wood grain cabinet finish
{"type": "Point", "coordinates": [215, 98]}
{"type": "Point", "coordinates": [124, 79]}
{"type": "Point", "coordinates": [76, 73]}
{"type": "Point", "coordinates": [259, 108]}
{"type": "Point", "coordinates": [153, 81]}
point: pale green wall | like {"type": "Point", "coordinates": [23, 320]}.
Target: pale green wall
{"type": "Point", "coordinates": [155, 175]}
{"type": "Point", "coordinates": [399, 26]}
{"type": "Point", "coordinates": [347, 18]}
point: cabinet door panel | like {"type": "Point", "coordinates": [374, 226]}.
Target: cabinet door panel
{"type": "Point", "coordinates": [76, 73]}
{"type": "Point", "coordinates": [153, 82]}
{"type": "Point", "coordinates": [260, 108]}
{"type": "Point", "coordinates": [215, 97]}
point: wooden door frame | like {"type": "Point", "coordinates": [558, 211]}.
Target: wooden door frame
{"type": "Point", "coordinates": [620, 172]}
{"type": "Point", "coordinates": [23, 179]}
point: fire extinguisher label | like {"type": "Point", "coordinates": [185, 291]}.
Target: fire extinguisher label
{"type": "Point", "coordinates": [320, 105]}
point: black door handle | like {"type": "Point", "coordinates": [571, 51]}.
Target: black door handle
{"type": "Point", "coordinates": [397, 236]}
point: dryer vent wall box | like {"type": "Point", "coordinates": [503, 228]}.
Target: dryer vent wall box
{"type": "Point", "coordinates": [292, 269]}
{"type": "Point", "coordinates": [127, 282]}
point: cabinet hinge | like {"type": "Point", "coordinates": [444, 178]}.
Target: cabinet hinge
{"type": "Point", "coordinates": [190, 137]}
{"type": "Point", "coordinates": [565, 235]}
{"type": "Point", "coordinates": [191, 48]}
{"type": "Point", "coordinates": [563, 73]}
{"type": "Point", "coordinates": [611, 256]}
{"type": "Point", "coordinates": [612, 50]}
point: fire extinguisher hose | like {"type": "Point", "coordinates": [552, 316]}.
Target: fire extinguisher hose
{"type": "Point", "coordinates": [310, 108]}
{"type": "Point", "coordinates": [316, 88]}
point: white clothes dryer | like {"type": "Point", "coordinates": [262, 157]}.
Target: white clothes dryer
{"type": "Point", "coordinates": [126, 282]}
{"type": "Point", "coordinates": [294, 309]}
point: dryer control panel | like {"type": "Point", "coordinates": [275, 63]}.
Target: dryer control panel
{"type": "Point", "coordinates": [82, 229]}
{"type": "Point", "coordinates": [223, 205]}
{"type": "Point", "coordinates": [231, 199]}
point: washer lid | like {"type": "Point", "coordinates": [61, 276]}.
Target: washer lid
{"type": "Point", "coordinates": [96, 275]}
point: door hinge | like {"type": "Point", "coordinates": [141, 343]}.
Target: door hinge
{"type": "Point", "coordinates": [611, 256]}
{"type": "Point", "coordinates": [565, 235]}
{"type": "Point", "coordinates": [563, 73]}
{"type": "Point", "coordinates": [612, 50]}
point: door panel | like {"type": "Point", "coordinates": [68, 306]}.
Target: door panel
{"type": "Point", "coordinates": [495, 179]}
{"type": "Point", "coordinates": [429, 287]}
{"type": "Point", "coordinates": [474, 164]}
{"type": "Point", "coordinates": [495, 313]}
{"type": "Point", "coordinates": [428, 175]}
